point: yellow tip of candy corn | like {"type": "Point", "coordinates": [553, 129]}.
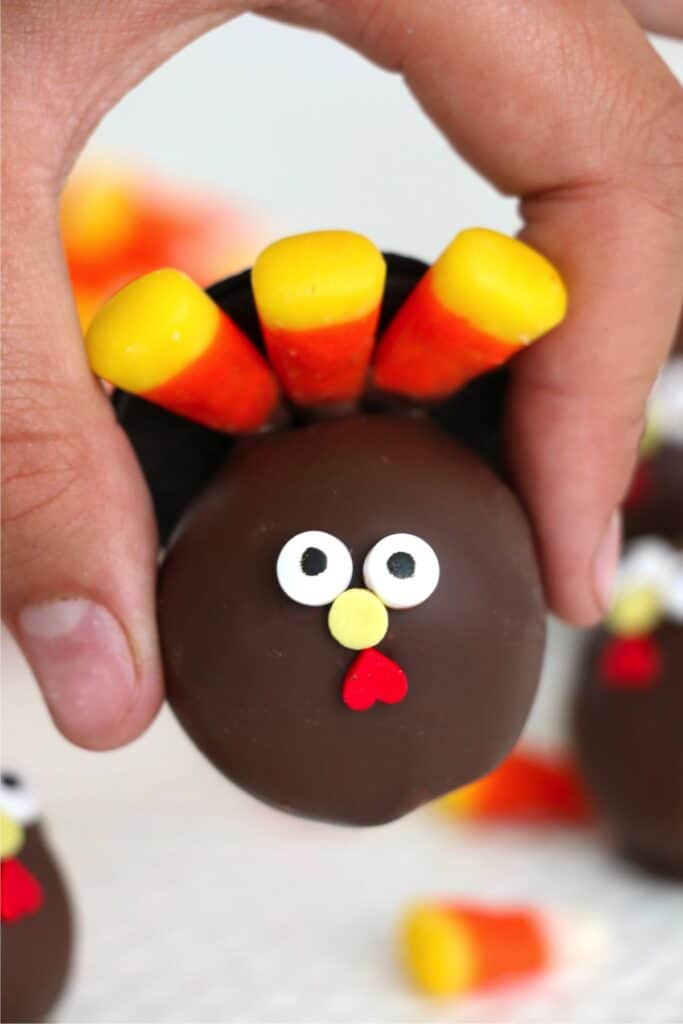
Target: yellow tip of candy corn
{"type": "Point", "coordinates": [438, 951]}
{"type": "Point", "coordinates": [462, 802]}
{"type": "Point", "coordinates": [97, 212]}
{"type": "Point", "coordinates": [317, 280]}
{"type": "Point", "coordinates": [150, 331]}
{"type": "Point", "coordinates": [500, 285]}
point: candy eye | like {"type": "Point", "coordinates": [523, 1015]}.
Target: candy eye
{"type": "Point", "coordinates": [17, 799]}
{"type": "Point", "coordinates": [649, 562]}
{"type": "Point", "coordinates": [666, 403]}
{"type": "Point", "coordinates": [402, 570]}
{"type": "Point", "coordinates": [314, 567]}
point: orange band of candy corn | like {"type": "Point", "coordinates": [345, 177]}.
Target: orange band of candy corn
{"type": "Point", "coordinates": [324, 365]}
{"type": "Point", "coordinates": [228, 387]}
{"type": "Point", "coordinates": [162, 338]}
{"type": "Point", "coordinates": [506, 944]}
{"type": "Point", "coordinates": [318, 297]}
{"type": "Point", "coordinates": [525, 787]}
{"type": "Point", "coordinates": [428, 352]}
{"type": "Point", "coordinates": [454, 948]}
{"type": "Point", "coordinates": [486, 297]}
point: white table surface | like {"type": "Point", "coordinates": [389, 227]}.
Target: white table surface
{"type": "Point", "coordinates": [198, 904]}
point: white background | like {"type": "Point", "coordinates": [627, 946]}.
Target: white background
{"type": "Point", "coordinates": [196, 903]}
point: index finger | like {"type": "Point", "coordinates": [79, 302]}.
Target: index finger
{"type": "Point", "coordinates": [568, 106]}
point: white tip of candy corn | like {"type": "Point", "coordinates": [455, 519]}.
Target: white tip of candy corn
{"type": "Point", "coordinates": [576, 938]}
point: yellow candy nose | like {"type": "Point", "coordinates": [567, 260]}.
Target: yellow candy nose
{"type": "Point", "coordinates": [635, 611]}
{"type": "Point", "coordinates": [11, 836]}
{"type": "Point", "coordinates": [358, 619]}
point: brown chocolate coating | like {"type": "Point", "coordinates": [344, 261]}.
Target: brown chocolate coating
{"type": "Point", "coordinates": [629, 744]}
{"type": "Point", "coordinates": [256, 678]}
{"type": "Point", "coordinates": [658, 510]}
{"type": "Point", "coordinates": [36, 949]}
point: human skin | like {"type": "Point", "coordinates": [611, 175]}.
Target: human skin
{"type": "Point", "coordinates": [577, 116]}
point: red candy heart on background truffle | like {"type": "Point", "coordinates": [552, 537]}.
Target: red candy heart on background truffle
{"type": "Point", "coordinates": [631, 662]}
{"type": "Point", "coordinates": [373, 677]}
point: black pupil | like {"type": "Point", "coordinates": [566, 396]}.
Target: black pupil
{"type": "Point", "coordinates": [313, 562]}
{"type": "Point", "coordinates": [9, 780]}
{"type": "Point", "coordinates": [401, 565]}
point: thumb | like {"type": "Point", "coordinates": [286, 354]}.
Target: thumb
{"type": "Point", "coordinates": [78, 532]}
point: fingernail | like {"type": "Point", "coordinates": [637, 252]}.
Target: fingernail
{"type": "Point", "coordinates": [83, 664]}
{"type": "Point", "coordinates": [607, 561]}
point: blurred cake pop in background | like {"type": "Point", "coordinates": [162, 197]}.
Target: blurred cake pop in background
{"type": "Point", "coordinates": [37, 927]}
{"type": "Point", "coordinates": [629, 710]}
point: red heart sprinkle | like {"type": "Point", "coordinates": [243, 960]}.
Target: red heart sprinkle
{"type": "Point", "coordinates": [632, 663]}
{"type": "Point", "coordinates": [21, 891]}
{"type": "Point", "coordinates": [371, 677]}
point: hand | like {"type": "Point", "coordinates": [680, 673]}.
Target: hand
{"type": "Point", "coordinates": [565, 105]}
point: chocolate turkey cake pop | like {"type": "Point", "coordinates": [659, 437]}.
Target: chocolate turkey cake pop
{"type": "Point", "coordinates": [35, 911]}
{"type": "Point", "coordinates": [629, 709]}
{"type": "Point", "coordinates": [350, 613]}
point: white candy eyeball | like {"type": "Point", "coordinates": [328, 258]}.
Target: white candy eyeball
{"type": "Point", "coordinates": [673, 604]}
{"type": "Point", "coordinates": [402, 570]}
{"type": "Point", "coordinates": [17, 799]}
{"type": "Point", "coordinates": [314, 567]}
{"type": "Point", "coordinates": [666, 404]}
{"type": "Point", "coordinates": [648, 562]}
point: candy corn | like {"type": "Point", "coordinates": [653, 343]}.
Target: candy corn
{"type": "Point", "coordinates": [527, 787]}
{"type": "Point", "coordinates": [453, 948]}
{"type": "Point", "coordinates": [119, 222]}
{"type": "Point", "coordinates": [318, 297]}
{"type": "Point", "coordinates": [164, 339]}
{"type": "Point", "coordinates": [486, 297]}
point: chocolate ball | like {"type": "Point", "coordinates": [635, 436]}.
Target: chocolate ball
{"type": "Point", "coordinates": [629, 744]}
{"type": "Point", "coordinates": [257, 679]}
{"type": "Point", "coordinates": [36, 938]}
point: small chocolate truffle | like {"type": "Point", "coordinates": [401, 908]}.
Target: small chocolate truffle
{"type": "Point", "coordinates": [629, 741]}
{"type": "Point", "coordinates": [37, 929]}
{"type": "Point", "coordinates": [628, 716]}
{"type": "Point", "coordinates": [256, 676]}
